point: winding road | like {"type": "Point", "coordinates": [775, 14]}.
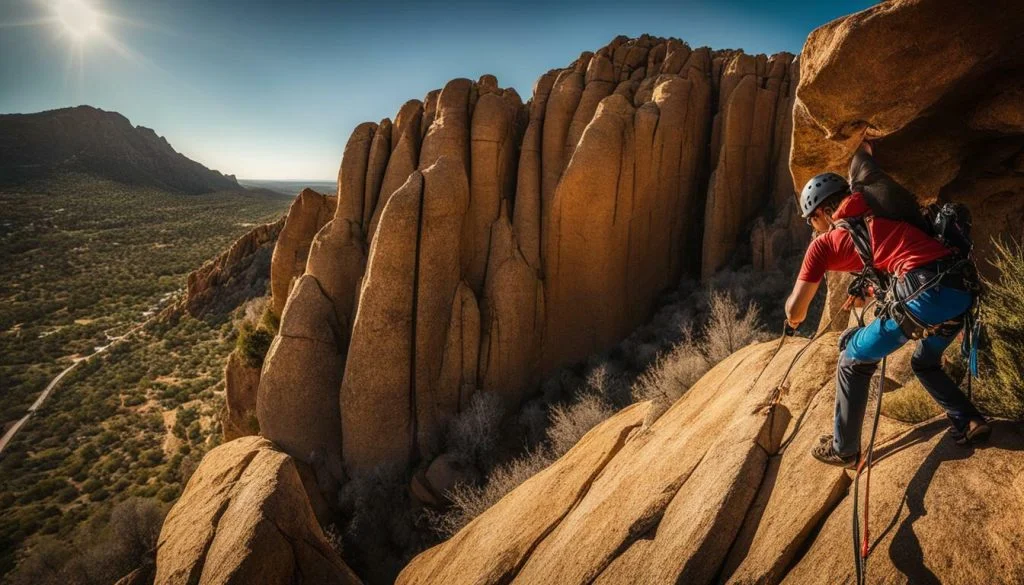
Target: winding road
{"type": "Point", "coordinates": [6, 439]}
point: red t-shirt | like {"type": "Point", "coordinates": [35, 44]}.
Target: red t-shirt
{"type": "Point", "coordinates": [897, 246]}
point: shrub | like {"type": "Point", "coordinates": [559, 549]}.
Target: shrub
{"type": "Point", "coordinates": [168, 493]}
{"type": "Point", "coordinates": [569, 423]}
{"type": "Point", "coordinates": [910, 404]}
{"type": "Point", "coordinates": [609, 383]}
{"type": "Point", "coordinates": [1001, 387]}
{"type": "Point", "coordinates": [151, 457]}
{"type": "Point", "coordinates": [728, 329]}
{"type": "Point", "coordinates": [253, 344]}
{"type": "Point", "coordinates": [672, 374]}
{"type": "Point", "coordinates": [470, 501]}
{"type": "Point", "coordinates": [135, 524]}
{"type": "Point", "coordinates": [380, 535]}
{"type": "Point", "coordinates": [99, 495]}
{"type": "Point", "coordinates": [474, 432]}
{"type": "Point", "coordinates": [268, 320]}
{"type": "Point", "coordinates": [99, 551]}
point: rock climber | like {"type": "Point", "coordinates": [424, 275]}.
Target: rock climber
{"type": "Point", "coordinates": [929, 295]}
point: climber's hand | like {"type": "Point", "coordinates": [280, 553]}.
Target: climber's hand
{"type": "Point", "coordinates": [789, 328]}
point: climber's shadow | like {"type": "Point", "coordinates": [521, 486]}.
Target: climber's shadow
{"type": "Point", "coordinates": [905, 549]}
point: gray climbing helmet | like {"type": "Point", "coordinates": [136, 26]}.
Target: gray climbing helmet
{"type": "Point", "coordinates": [818, 189]}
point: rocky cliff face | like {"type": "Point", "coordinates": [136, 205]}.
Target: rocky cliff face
{"type": "Point", "coordinates": [478, 242]}
{"type": "Point", "coordinates": [722, 488]}
{"type": "Point", "coordinates": [248, 497]}
{"type": "Point", "coordinates": [90, 140]}
{"type": "Point", "coordinates": [236, 275]}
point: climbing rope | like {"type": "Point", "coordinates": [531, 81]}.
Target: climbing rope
{"type": "Point", "coordinates": [861, 539]}
{"type": "Point", "coordinates": [779, 391]}
{"type": "Point", "coordinates": [862, 543]}
{"type": "Point", "coordinates": [783, 387]}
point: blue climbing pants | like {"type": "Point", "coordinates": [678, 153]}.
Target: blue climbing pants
{"type": "Point", "coordinates": [863, 348]}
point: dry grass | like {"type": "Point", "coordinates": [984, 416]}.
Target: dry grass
{"type": "Point", "coordinates": [729, 329]}
{"type": "Point", "coordinates": [694, 329]}
{"type": "Point", "coordinates": [1000, 390]}
{"type": "Point", "coordinates": [470, 501]}
{"type": "Point", "coordinates": [570, 422]}
{"type": "Point", "coordinates": [672, 374]}
{"type": "Point", "coordinates": [910, 404]}
{"type": "Point", "coordinates": [474, 433]}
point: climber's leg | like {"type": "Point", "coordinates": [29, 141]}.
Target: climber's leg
{"type": "Point", "coordinates": [862, 349]}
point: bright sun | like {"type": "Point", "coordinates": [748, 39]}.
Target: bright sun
{"type": "Point", "coordinates": [79, 18]}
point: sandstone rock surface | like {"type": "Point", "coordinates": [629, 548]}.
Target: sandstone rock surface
{"type": "Point", "coordinates": [298, 390]}
{"type": "Point", "coordinates": [308, 213]}
{"type": "Point", "coordinates": [378, 401]}
{"type": "Point", "coordinates": [722, 488]}
{"type": "Point", "coordinates": [541, 503]}
{"type": "Point", "coordinates": [246, 497]}
{"type": "Point", "coordinates": [531, 236]}
{"type": "Point", "coordinates": [241, 385]}
{"type": "Point", "coordinates": [749, 134]}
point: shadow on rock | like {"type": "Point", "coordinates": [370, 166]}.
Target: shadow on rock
{"type": "Point", "coordinates": [905, 550]}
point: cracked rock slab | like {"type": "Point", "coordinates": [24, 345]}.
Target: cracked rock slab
{"type": "Point", "coordinates": [491, 548]}
{"type": "Point", "coordinates": [665, 508]}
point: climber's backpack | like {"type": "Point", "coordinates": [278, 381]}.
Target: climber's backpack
{"type": "Point", "coordinates": [951, 225]}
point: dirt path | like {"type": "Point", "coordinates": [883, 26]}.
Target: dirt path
{"type": "Point", "coordinates": [9, 435]}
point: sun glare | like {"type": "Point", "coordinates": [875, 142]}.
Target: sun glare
{"type": "Point", "coordinates": [79, 19]}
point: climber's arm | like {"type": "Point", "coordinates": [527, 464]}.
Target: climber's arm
{"type": "Point", "coordinates": [799, 300]}
{"type": "Point", "coordinates": [863, 168]}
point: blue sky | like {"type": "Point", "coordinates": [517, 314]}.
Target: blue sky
{"type": "Point", "coordinates": [271, 90]}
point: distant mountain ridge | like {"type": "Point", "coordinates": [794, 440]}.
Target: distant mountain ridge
{"type": "Point", "coordinates": [91, 140]}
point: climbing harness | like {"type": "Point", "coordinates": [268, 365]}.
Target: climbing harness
{"type": "Point", "coordinates": [870, 281]}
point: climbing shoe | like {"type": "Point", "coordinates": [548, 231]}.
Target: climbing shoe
{"type": "Point", "coordinates": [976, 431]}
{"type": "Point", "coordinates": [825, 452]}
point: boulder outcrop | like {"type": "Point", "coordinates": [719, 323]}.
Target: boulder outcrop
{"type": "Point", "coordinates": [746, 144]}
{"type": "Point", "coordinates": [296, 404]}
{"type": "Point", "coordinates": [244, 518]}
{"type": "Point", "coordinates": [308, 213]}
{"type": "Point", "coordinates": [241, 385]}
